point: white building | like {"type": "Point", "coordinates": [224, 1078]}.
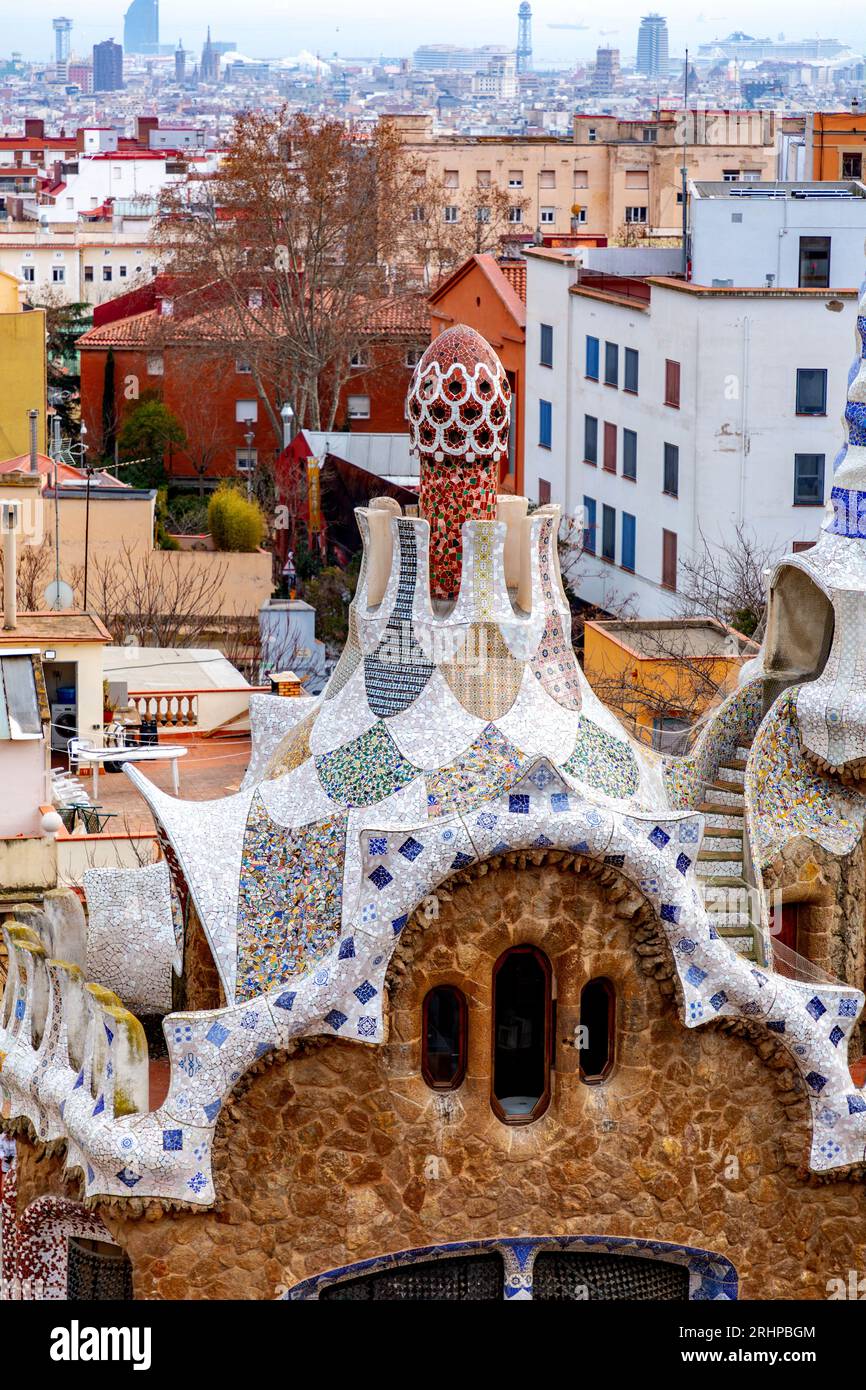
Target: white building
{"type": "Point", "coordinates": [78, 264]}
{"type": "Point", "coordinates": [91, 180]}
{"type": "Point", "coordinates": [778, 234]}
{"type": "Point", "coordinates": [673, 412]}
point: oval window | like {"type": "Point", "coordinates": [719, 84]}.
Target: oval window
{"type": "Point", "coordinates": [522, 1031]}
{"type": "Point", "coordinates": [443, 1038]}
{"type": "Point", "coordinates": [597, 1030]}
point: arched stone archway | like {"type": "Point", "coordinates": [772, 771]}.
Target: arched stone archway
{"type": "Point", "coordinates": [42, 1245]}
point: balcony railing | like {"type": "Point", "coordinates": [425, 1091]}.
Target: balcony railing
{"type": "Point", "coordinates": [172, 709]}
{"type": "Point", "coordinates": [193, 709]}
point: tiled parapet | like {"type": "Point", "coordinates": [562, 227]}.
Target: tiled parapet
{"type": "Point", "coordinates": [786, 796]}
{"type": "Point", "coordinates": [122, 1149]}
{"type": "Point", "coordinates": [133, 938]}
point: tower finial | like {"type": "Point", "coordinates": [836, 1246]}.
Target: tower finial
{"type": "Point", "coordinates": [459, 407]}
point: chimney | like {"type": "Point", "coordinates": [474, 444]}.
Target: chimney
{"type": "Point", "coordinates": [9, 523]}
{"type": "Point", "coordinates": [34, 129]}
{"type": "Point", "coordinates": [33, 416]}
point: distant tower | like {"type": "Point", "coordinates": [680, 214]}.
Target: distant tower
{"type": "Point", "coordinates": [524, 37]}
{"type": "Point", "coordinates": [652, 46]}
{"type": "Point", "coordinates": [180, 62]}
{"type": "Point", "coordinates": [62, 43]}
{"type": "Point", "coordinates": [107, 66]}
{"type": "Point", "coordinates": [606, 75]}
{"type": "Point", "coordinates": [209, 69]}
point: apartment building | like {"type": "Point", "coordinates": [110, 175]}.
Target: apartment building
{"type": "Point", "coordinates": [608, 177]}
{"type": "Point", "coordinates": [76, 264]}
{"type": "Point", "coordinates": [666, 413]}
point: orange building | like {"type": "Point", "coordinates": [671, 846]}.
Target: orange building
{"type": "Point", "coordinates": [838, 143]}
{"type": "Point", "coordinates": [490, 296]}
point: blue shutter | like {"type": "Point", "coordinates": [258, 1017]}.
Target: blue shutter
{"type": "Point", "coordinates": [592, 358]}
{"type": "Point", "coordinates": [545, 424]}
{"type": "Point", "coordinates": [628, 539]}
{"type": "Point", "coordinates": [589, 525]}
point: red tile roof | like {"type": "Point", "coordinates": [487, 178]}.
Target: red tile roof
{"type": "Point", "coordinates": [515, 274]}
{"type": "Point", "coordinates": [151, 329]}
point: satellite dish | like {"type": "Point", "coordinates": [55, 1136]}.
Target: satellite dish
{"type": "Point", "coordinates": [59, 594]}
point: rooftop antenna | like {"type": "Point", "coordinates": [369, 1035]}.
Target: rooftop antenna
{"type": "Point", "coordinates": [684, 169]}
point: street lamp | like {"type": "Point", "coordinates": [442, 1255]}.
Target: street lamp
{"type": "Point", "coordinates": [287, 415]}
{"type": "Point", "coordinates": [249, 437]}
{"type": "Point", "coordinates": [87, 473]}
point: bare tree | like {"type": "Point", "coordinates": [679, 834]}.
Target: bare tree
{"type": "Point", "coordinates": [290, 244]}
{"type": "Point", "coordinates": [155, 598]}
{"type": "Point", "coordinates": [728, 582]}
{"type": "Point", "coordinates": [33, 571]}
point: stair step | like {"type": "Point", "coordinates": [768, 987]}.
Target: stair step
{"type": "Point", "coordinates": [726, 922]}
{"type": "Point", "coordinates": [726, 789]}
{"type": "Point", "coordinates": [721, 880]}
{"type": "Point", "coordinates": [723, 832]}
{"type": "Point", "coordinates": [714, 843]}
{"type": "Point", "coordinates": [745, 947]}
{"type": "Point", "coordinates": [716, 808]}
{"type": "Point", "coordinates": [715, 856]}
{"type": "Point", "coordinates": [730, 776]}
{"type": "Point", "coordinates": [735, 764]}
{"type": "Point", "coordinates": [742, 751]}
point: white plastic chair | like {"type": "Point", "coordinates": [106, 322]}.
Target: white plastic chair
{"type": "Point", "coordinates": [73, 745]}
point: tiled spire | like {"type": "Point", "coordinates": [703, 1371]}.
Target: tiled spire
{"type": "Point", "coordinates": [459, 407]}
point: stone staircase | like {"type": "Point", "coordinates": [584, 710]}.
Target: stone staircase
{"type": "Point", "coordinates": [720, 861]}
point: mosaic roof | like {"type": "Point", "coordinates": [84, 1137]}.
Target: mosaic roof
{"type": "Point", "coordinates": [457, 725]}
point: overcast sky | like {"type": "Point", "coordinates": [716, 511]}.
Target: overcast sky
{"type": "Point", "coordinates": [273, 28]}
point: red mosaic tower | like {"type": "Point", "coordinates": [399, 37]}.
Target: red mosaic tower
{"type": "Point", "coordinates": [459, 408]}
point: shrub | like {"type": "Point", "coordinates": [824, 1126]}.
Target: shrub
{"type": "Point", "coordinates": [235, 522]}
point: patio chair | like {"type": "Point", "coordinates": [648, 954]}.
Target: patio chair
{"type": "Point", "coordinates": [73, 746]}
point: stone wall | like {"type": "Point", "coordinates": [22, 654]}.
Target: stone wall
{"type": "Point", "coordinates": [831, 893]}
{"type": "Point", "coordinates": [341, 1152]}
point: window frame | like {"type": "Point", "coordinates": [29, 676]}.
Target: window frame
{"type": "Point", "coordinates": [810, 502]}
{"type": "Point", "coordinates": [632, 356]}
{"type": "Point", "coordinates": [608, 513]}
{"type": "Point", "coordinates": [628, 529]}
{"type": "Point", "coordinates": [599, 1078]}
{"type": "Point", "coordinates": [798, 408]}
{"type": "Point", "coordinates": [671, 587]}
{"type": "Point", "coordinates": [593, 462]}
{"type": "Point", "coordinates": [591, 354]}
{"type": "Point", "coordinates": [802, 255]}
{"type": "Point", "coordinates": [590, 514]}
{"type": "Point", "coordinates": [545, 416]}
{"type": "Point", "coordinates": [629, 466]}
{"type": "Point", "coordinates": [608, 380]}
{"type": "Point", "coordinates": [673, 383]}
{"type": "Point", "coordinates": [543, 1102]}
{"type": "Point", "coordinates": [545, 345]}
{"type": "Point", "coordinates": [610, 444]}
{"type": "Point", "coordinates": [462, 1042]}
{"type": "Point", "coordinates": [674, 460]}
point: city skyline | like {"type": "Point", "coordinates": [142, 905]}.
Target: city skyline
{"type": "Point", "coordinates": [266, 30]}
